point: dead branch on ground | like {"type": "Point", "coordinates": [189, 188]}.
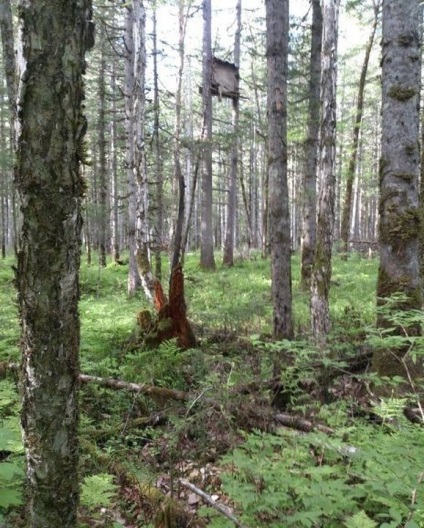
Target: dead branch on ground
{"type": "Point", "coordinates": [207, 498]}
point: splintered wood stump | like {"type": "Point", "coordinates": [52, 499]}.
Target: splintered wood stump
{"type": "Point", "coordinates": [171, 321]}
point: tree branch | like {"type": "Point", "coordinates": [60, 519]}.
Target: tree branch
{"type": "Point", "coordinates": [207, 498]}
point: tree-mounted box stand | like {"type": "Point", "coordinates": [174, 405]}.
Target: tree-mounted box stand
{"type": "Point", "coordinates": [224, 80]}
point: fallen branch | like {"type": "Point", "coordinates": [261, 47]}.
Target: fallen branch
{"type": "Point", "coordinates": [160, 393]}
{"type": "Point", "coordinates": [296, 422]}
{"type": "Point", "coordinates": [207, 498]}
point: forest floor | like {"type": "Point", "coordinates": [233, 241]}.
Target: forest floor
{"type": "Point", "coordinates": [209, 436]}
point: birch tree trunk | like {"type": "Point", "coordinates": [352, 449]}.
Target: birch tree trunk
{"type": "Point", "coordinates": [207, 259]}
{"type": "Point", "coordinates": [50, 133]}
{"type": "Point", "coordinates": [228, 257]}
{"type": "Point", "coordinates": [399, 270]}
{"type": "Point", "coordinates": [321, 271]}
{"type": "Point", "coordinates": [277, 23]}
{"type": "Point", "coordinates": [142, 233]}
{"type": "Point", "coordinates": [348, 202]}
{"type": "Point", "coordinates": [308, 239]}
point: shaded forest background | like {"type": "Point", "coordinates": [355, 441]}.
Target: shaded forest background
{"type": "Point", "coordinates": [230, 415]}
{"type": "Point", "coordinates": [106, 202]}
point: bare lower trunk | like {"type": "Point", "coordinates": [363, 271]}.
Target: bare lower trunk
{"type": "Point", "coordinates": [399, 270]}
{"type": "Point", "coordinates": [50, 139]}
{"type": "Point", "coordinates": [277, 19]}
{"type": "Point", "coordinates": [134, 280]}
{"type": "Point", "coordinates": [101, 127]}
{"type": "Point", "coordinates": [207, 259]}
{"type": "Point", "coordinates": [308, 240]}
{"type": "Point", "coordinates": [321, 272]}
{"type": "Point", "coordinates": [228, 257]}
{"type": "Point", "coordinates": [178, 173]}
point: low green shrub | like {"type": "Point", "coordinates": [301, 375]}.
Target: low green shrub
{"type": "Point", "coordinates": [290, 479]}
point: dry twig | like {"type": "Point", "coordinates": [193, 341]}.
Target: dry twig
{"type": "Point", "coordinates": [207, 498]}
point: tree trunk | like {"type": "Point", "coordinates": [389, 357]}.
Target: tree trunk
{"type": "Point", "coordinates": [50, 136]}
{"type": "Point", "coordinates": [321, 271]}
{"type": "Point", "coordinates": [190, 153]}
{"type": "Point", "coordinates": [142, 234]}
{"type": "Point", "coordinates": [308, 240]}
{"type": "Point", "coordinates": [134, 280]}
{"type": "Point", "coordinates": [101, 129]}
{"type": "Point", "coordinates": [6, 29]}
{"type": "Point", "coordinates": [178, 173]}
{"type": "Point", "coordinates": [351, 170]}
{"type": "Point", "coordinates": [207, 259]}
{"type": "Point", "coordinates": [277, 23]}
{"type": "Point", "coordinates": [157, 154]}
{"type": "Point", "coordinates": [228, 257]}
{"type": "Point", "coordinates": [191, 206]}
{"type": "Point", "coordinates": [114, 171]}
{"type": "Point", "coordinates": [3, 182]}
{"type": "Point", "coordinates": [399, 270]}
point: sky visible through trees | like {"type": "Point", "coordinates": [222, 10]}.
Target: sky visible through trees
{"type": "Point", "coordinates": [352, 37]}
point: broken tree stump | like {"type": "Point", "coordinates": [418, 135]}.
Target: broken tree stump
{"type": "Point", "coordinates": [171, 320]}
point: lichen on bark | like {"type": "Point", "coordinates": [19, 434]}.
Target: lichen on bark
{"type": "Point", "coordinates": [402, 93]}
{"type": "Point", "coordinates": [48, 179]}
{"type": "Point", "coordinates": [400, 222]}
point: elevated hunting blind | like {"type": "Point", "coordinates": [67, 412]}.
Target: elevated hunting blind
{"type": "Point", "coordinates": [225, 79]}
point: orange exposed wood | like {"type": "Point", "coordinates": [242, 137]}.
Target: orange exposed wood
{"type": "Point", "coordinates": [171, 321]}
{"type": "Point", "coordinates": [160, 299]}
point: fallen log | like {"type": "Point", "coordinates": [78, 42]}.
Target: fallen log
{"type": "Point", "coordinates": [297, 422]}
{"type": "Point", "coordinates": [159, 393]}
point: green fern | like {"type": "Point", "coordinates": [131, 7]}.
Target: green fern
{"type": "Point", "coordinates": [98, 490]}
{"type": "Point", "coordinates": [360, 520]}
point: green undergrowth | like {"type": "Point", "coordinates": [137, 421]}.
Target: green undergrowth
{"type": "Point", "coordinates": [311, 480]}
{"type": "Point", "coordinates": [362, 476]}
